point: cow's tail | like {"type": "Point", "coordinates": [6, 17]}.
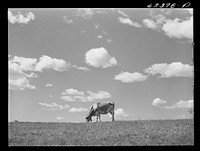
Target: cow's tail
{"type": "Point", "coordinates": [113, 106]}
{"type": "Point", "coordinates": [113, 111]}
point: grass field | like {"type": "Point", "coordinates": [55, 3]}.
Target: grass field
{"type": "Point", "coordinates": [118, 133]}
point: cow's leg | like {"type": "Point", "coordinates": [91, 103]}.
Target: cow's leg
{"type": "Point", "coordinates": [113, 116]}
{"type": "Point", "coordinates": [112, 113]}
{"type": "Point", "coordinates": [99, 117]}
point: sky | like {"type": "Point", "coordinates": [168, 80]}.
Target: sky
{"type": "Point", "coordinates": [62, 61]}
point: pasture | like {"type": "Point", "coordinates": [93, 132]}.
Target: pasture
{"type": "Point", "coordinates": [118, 133]}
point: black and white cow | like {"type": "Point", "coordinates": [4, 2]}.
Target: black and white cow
{"type": "Point", "coordinates": [101, 108]}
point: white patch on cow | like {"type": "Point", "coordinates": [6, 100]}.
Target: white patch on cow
{"type": "Point", "coordinates": [95, 106]}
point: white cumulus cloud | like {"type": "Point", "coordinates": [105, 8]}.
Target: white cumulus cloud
{"type": "Point", "coordinates": [59, 118]}
{"type": "Point", "coordinates": [22, 69]}
{"type": "Point", "coordinates": [72, 92]}
{"type": "Point", "coordinates": [109, 40]}
{"type": "Point", "coordinates": [100, 95]}
{"type": "Point", "coordinates": [158, 102]}
{"type": "Point", "coordinates": [20, 83]}
{"type": "Point", "coordinates": [120, 112]}
{"type": "Point", "coordinates": [80, 109]}
{"type": "Point", "coordinates": [18, 79]}
{"type": "Point", "coordinates": [182, 105]}
{"type": "Point", "coordinates": [129, 22]}
{"type": "Point", "coordinates": [179, 29]}
{"type": "Point", "coordinates": [99, 36]}
{"type": "Point", "coordinates": [175, 69]}
{"type": "Point", "coordinates": [20, 18]}
{"type": "Point", "coordinates": [47, 62]}
{"type": "Point", "coordinates": [25, 64]}
{"type": "Point", "coordinates": [68, 98]}
{"type": "Point", "coordinates": [173, 28]}
{"type": "Point", "coordinates": [49, 85]}
{"type": "Point", "coordinates": [67, 20]}
{"type": "Point", "coordinates": [130, 77]}
{"type": "Point", "coordinates": [99, 57]}
{"type": "Point", "coordinates": [86, 13]}
{"type": "Point", "coordinates": [72, 95]}
{"type": "Point", "coordinates": [150, 23]}
{"type": "Point", "coordinates": [81, 68]}
{"type": "Point", "coordinates": [178, 105]}
{"type": "Point", "coordinates": [122, 13]}
{"type": "Point", "coordinates": [54, 106]}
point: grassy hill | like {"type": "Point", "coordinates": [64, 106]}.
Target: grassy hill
{"type": "Point", "coordinates": [119, 133]}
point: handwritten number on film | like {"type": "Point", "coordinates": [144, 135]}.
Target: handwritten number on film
{"type": "Point", "coordinates": [168, 5]}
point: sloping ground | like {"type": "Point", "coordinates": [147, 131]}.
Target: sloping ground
{"type": "Point", "coordinates": [120, 133]}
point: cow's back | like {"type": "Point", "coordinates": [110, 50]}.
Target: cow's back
{"type": "Point", "coordinates": [102, 104]}
{"type": "Point", "coordinates": [105, 107]}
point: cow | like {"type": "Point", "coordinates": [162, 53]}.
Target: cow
{"type": "Point", "coordinates": [101, 108]}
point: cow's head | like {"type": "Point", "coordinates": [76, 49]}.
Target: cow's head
{"type": "Point", "coordinates": [89, 118]}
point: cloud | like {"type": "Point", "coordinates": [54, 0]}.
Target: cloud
{"type": "Point", "coordinates": [59, 118]}
{"type": "Point", "coordinates": [22, 69]}
{"type": "Point", "coordinates": [179, 29]}
{"type": "Point", "coordinates": [25, 64]}
{"type": "Point", "coordinates": [180, 104]}
{"type": "Point", "coordinates": [129, 22]}
{"type": "Point", "coordinates": [20, 18]}
{"type": "Point", "coordinates": [99, 36]}
{"type": "Point", "coordinates": [18, 79]}
{"type": "Point", "coordinates": [159, 102]}
{"type": "Point", "coordinates": [86, 13]}
{"type": "Point", "coordinates": [20, 83]}
{"type": "Point", "coordinates": [167, 11]}
{"type": "Point", "coordinates": [130, 77]}
{"type": "Point", "coordinates": [100, 95]}
{"type": "Point", "coordinates": [49, 85]}
{"type": "Point", "coordinates": [68, 98]}
{"type": "Point", "coordinates": [53, 106]}
{"type": "Point", "coordinates": [72, 95]}
{"type": "Point", "coordinates": [80, 109]}
{"type": "Point", "coordinates": [80, 98]}
{"type": "Point", "coordinates": [183, 117]}
{"type": "Point", "coordinates": [175, 69]}
{"type": "Point", "coordinates": [190, 11]}
{"type": "Point", "coordinates": [150, 23]}
{"type": "Point", "coordinates": [157, 24]}
{"type": "Point", "coordinates": [72, 92]}
{"type": "Point", "coordinates": [105, 33]}
{"type": "Point", "coordinates": [81, 68]}
{"type": "Point", "coordinates": [125, 21]}
{"type": "Point", "coordinates": [82, 31]}
{"type": "Point", "coordinates": [31, 75]}
{"type": "Point", "coordinates": [47, 62]}
{"type": "Point", "coordinates": [99, 57]}
{"type": "Point", "coordinates": [67, 20]}
{"type": "Point", "coordinates": [173, 28]}
{"type": "Point", "coordinates": [120, 112]}
{"type": "Point", "coordinates": [122, 13]}
{"type": "Point", "coordinates": [96, 26]}
{"type": "Point", "coordinates": [136, 24]}
{"type": "Point", "coordinates": [109, 40]}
